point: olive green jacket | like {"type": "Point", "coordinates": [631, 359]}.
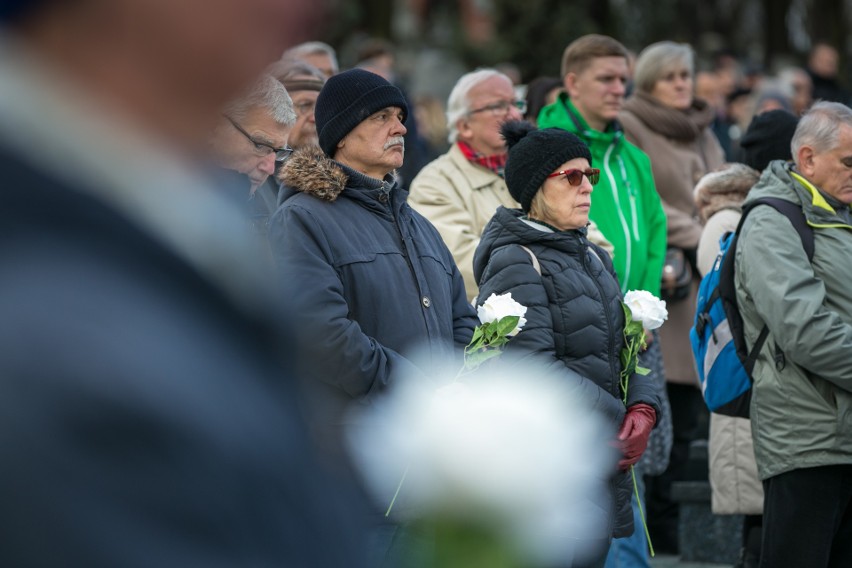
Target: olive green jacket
{"type": "Point", "coordinates": [801, 410]}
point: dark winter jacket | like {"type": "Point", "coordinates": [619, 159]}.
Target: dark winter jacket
{"type": "Point", "coordinates": [574, 317]}
{"type": "Point", "coordinates": [374, 276]}
{"type": "Point", "coordinates": [147, 415]}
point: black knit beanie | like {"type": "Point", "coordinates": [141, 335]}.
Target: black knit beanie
{"type": "Point", "coordinates": [534, 155]}
{"type": "Point", "coordinates": [347, 99]}
{"type": "Point", "coordinates": [768, 138]}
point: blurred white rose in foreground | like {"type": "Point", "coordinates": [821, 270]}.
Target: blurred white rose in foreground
{"type": "Point", "coordinates": [497, 307]}
{"type": "Point", "coordinates": [514, 454]}
{"type": "Point", "coordinates": [646, 308]}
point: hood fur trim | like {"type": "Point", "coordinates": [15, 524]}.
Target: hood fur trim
{"type": "Point", "coordinates": [310, 171]}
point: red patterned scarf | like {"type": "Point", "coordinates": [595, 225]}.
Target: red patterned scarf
{"type": "Point", "coordinates": [495, 163]}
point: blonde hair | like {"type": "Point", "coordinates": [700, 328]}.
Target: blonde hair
{"type": "Point", "coordinates": [540, 210]}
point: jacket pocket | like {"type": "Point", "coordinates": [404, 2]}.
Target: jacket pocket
{"type": "Point", "coordinates": [843, 401]}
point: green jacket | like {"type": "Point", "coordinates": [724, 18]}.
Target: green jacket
{"type": "Point", "coordinates": [801, 411]}
{"type": "Point", "coordinates": [625, 203]}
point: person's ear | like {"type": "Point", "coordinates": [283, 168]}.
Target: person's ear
{"type": "Point", "coordinates": [805, 161]}
{"type": "Point", "coordinates": [464, 128]}
{"type": "Point", "coordinates": [570, 82]}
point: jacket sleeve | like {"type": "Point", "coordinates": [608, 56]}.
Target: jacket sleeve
{"type": "Point", "coordinates": [434, 196]}
{"type": "Point", "coordinates": [683, 229]}
{"type": "Point", "coordinates": [657, 235]}
{"type": "Point", "coordinates": [345, 356]}
{"type": "Point", "coordinates": [465, 319]}
{"type": "Point", "coordinates": [510, 269]}
{"type": "Point", "coordinates": [776, 276]}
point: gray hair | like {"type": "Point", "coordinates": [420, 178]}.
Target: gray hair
{"type": "Point", "coordinates": [818, 127]}
{"type": "Point", "coordinates": [458, 104]}
{"type": "Point", "coordinates": [267, 93]}
{"type": "Point", "coordinates": [656, 59]}
{"type": "Point", "coordinates": [313, 48]}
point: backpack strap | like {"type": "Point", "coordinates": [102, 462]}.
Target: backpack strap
{"type": "Point", "coordinates": [796, 215]}
{"type": "Point", "coordinates": [536, 264]}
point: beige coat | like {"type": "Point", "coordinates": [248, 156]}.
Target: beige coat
{"type": "Point", "coordinates": [682, 149]}
{"type": "Point", "coordinates": [460, 198]}
{"type": "Point", "coordinates": [735, 485]}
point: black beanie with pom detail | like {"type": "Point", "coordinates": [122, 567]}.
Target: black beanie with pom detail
{"type": "Point", "coordinates": [535, 154]}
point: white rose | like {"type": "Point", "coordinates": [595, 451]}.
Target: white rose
{"type": "Point", "coordinates": [519, 457]}
{"type": "Point", "coordinates": [497, 307]}
{"type": "Point", "coordinates": [646, 308]}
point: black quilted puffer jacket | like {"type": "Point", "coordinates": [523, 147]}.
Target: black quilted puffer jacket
{"type": "Point", "coordinates": [574, 321]}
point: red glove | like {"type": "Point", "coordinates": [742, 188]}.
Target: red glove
{"type": "Point", "coordinates": [634, 433]}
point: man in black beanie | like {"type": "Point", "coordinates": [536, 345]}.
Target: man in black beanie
{"type": "Point", "coordinates": [373, 278]}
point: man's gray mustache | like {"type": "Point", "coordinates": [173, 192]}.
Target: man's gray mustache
{"type": "Point", "coordinates": [396, 140]}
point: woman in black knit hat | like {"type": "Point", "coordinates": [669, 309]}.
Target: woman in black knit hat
{"type": "Point", "coordinates": [575, 321]}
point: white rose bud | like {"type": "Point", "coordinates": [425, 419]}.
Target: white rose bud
{"type": "Point", "coordinates": [646, 308]}
{"type": "Point", "coordinates": [497, 307]}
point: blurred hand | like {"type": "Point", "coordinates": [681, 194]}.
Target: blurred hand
{"type": "Point", "coordinates": [634, 433]}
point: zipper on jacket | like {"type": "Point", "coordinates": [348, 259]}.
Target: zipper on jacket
{"type": "Point", "coordinates": [627, 237]}
{"type": "Point", "coordinates": [607, 312]}
{"type": "Point", "coordinates": [407, 255]}
{"type": "Point", "coordinates": [631, 191]}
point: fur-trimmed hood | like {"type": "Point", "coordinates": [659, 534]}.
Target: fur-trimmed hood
{"type": "Point", "coordinates": [310, 171]}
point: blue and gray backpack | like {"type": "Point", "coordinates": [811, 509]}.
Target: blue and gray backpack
{"type": "Point", "coordinates": [725, 364]}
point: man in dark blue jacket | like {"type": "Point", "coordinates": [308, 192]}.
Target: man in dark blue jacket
{"type": "Point", "coordinates": [373, 277]}
{"type": "Point", "coordinates": [148, 412]}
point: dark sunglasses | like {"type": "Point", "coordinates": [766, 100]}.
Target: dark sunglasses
{"type": "Point", "coordinates": [575, 177]}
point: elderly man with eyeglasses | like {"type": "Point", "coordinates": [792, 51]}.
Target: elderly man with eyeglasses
{"type": "Point", "coordinates": [250, 140]}
{"type": "Point", "coordinates": [460, 191]}
{"type": "Point", "coordinates": [303, 82]}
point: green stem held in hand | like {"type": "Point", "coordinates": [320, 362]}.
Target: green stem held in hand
{"type": "Point", "coordinates": [634, 342]}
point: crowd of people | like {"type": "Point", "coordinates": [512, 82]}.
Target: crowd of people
{"type": "Point", "coordinates": [206, 268]}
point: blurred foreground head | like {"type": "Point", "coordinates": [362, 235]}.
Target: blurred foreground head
{"type": "Point", "coordinates": [170, 66]}
{"type": "Point", "coordinates": [148, 414]}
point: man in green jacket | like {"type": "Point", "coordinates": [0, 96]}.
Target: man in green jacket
{"type": "Point", "coordinates": [625, 204]}
{"type": "Point", "coordinates": [801, 410]}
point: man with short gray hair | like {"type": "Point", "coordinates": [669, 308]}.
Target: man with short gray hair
{"type": "Point", "coordinates": [253, 132]}
{"type": "Point", "coordinates": [250, 142]}
{"type": "Point", "coordinates": [460, 191]}
{"type": "Point", "coordinates": [801, 406]}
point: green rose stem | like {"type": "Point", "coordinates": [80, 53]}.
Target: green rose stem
{"type": "Point", "coordinates": [634, 342]}
{"type": "Point", "coordinates": [487, 343]}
